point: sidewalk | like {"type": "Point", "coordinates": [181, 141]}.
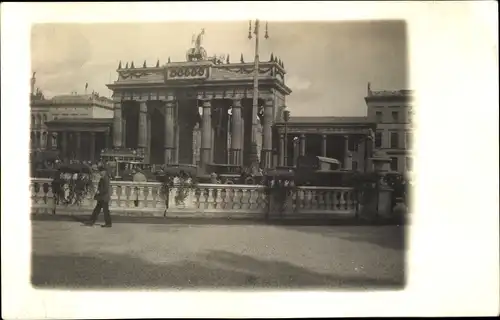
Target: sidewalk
{"type": "Point", "coordinates": [304, 220]}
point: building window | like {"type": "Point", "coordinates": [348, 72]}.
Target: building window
{"type": "Point", "coordinates": [378, 139]}
{"type": "Point", "coordinates": [394, 140]}
{"type": "Point", "coordinates": [409, 164]}
{"type": "Point", "coordinates": [394, 164]}
{"type": "Point", "coordinates": [408, 140]}
{"type": "Point", "coordinates": [410, 114]}
{"type": "Point", "coordinates": [355, 166]}
{"type": "Point", "coordinates": [378, 116]}
{"type": "Point", "coordinates": [395, 116]}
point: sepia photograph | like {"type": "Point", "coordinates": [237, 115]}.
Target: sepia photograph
{"type": "Point", "coordinates": [249, 159]}
{"type": "Point", "coordinates": [246, 154]}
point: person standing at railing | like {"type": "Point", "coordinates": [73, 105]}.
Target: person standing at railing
{"type": "Point", "coordinates": [138, 177]}
{"type": "Point", "coordinates": [103, 197]}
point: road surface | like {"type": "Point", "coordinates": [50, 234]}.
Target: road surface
{"type": "Point", "coordinates": [202, 255]}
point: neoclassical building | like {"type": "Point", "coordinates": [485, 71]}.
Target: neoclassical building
{"type": "Point", "coordinates": [200, 111]}
{"type": "Point", "coordinates": [78, 126]}
{"type": "Point", "coordinates": [160, 110]}
{"type": "Point", "coordinates": [392, 111]}
{"type": "Point", "coordinates": [347, 139]}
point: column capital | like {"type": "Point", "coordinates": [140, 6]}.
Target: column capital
{"type": "Point", "coordinates": [207, 103]}
{"type": "Point", "coordinates": [92, 133]}
{"type": "Point", "coordinates": [236, 103]}
{"type": "Point", "coordinates": [269, 102]}
{"type": "Point", "coordinates": [324, 135]}
{"type": "Point", "coordinates": [302, 136]}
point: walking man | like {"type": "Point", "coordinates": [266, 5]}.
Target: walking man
{"type": "Point", "coordinates": [102, 196]}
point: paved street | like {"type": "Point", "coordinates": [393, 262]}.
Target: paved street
{"type": "Point", "coordinates": [237, 255]}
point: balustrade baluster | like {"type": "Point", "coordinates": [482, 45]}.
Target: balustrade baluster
{"type": "Point", "coordinates": [210, 198]}
{"type": "Point", "coordinates": [244, 198]}
{"type": "Point", "coordinates": [146, 196]}
{"type": "Point", "coordinates": [251, 199]}
{"type": "Point", "coordinates": [342, 200]}
{"type": "Point", "coordinates": [154, 196]}
{"type": "Point", "coordinates": [320, 199]}
{"type": "Point", "coordinates": [197, 197]}
{"type": "Point", "coordinates": [335, 199]}
{"type": "Point", "coordinates": [218, 198]}
{"type": "Point", "coordinates": [328, 200]}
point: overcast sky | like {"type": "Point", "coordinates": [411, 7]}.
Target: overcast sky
{"type": "Point", "coordinates": [328, 64]}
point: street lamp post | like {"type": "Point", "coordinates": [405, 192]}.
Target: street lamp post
{"type": "Point", "coordinates": [255, 102]}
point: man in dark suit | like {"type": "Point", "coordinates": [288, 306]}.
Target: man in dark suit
{"type": "Point", "coordinates": [103, 197]}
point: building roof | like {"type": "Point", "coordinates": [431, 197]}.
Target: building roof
{"type": "Point", "coordinates": [79, 97]}
{"type": "Point", "coordinates": [329, 120]}
{"type": "Point", "coordinates": [90, 121]}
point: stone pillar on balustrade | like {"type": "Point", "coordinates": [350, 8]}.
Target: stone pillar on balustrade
{"type": "Point", "coordinates": [267, 134]}
{"type": "Point", "coordinates": [206, 135]}
{"type": "Point", "coordinates": [169, 131]}
{"type": "Point", "coordinates": [236, 133]}
{"type": "Point", "coordinates": [142, 128]}
{"type": "Point", "coordinates": [117, 125]}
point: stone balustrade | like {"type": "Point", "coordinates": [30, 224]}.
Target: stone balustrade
{"type": "Point", "coordinates": [148, 199]}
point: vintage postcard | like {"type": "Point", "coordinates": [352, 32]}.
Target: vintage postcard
{"type": "Point", "coordinates": [251, 155]}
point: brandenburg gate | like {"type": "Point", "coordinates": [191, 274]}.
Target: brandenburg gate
{"type": "Point", "coordinates": [172, 112]}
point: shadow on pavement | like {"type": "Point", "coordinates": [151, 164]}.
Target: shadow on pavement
{"type": "Point", "coordinates": [392, 238]}
{"type": "Point", "coordinates": [216, 269]}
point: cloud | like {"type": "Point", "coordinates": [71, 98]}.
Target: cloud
{"type": "Point", "coordinates": [57, 48]}
{"type": "Point", "coordinates": [298, 83]}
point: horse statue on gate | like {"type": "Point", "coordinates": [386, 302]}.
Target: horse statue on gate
{"type": "Point", "coordinates": [197, 53]}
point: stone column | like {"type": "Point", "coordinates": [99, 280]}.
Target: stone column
{"type": "Point", "coordinates": [78, 150]}
{"type": "Point", "coordinates": [206, 134]}
{"type": "Point", "coordinates": [92, 146]}
{"type": "Point", "coordinates": [296, 152]}
{"type": "Point", "coordinates": [323, 145]}
{"type": "Point", "coordinates": [54, 141]}
{"type": "Point", "coordinates": [49, 140]}
{"type": "Point", "coordinates": [64, 144]}
{"type": "Point", "coordinates": [169, 131]}
{"type": "Point", "coordinates": [107, 140]}
{"type": "Point", "coordinates": [177, 133]}
{"type": "Point", "coordinates": [124, 132]}
{"type": "Point", "coordinates": [236, 133]}
{"type": "Point", "coordinates": [361, 155]}
{"type": "Point", "coordinates": [267, 135]}
{"type": "Point", "coordinates": [142, 139]}
{"type": "Point", "coordinates": [347, 154]}
{"type": "Point", "coordinates": [302, 144]}
{"type": "Point", "coordinates": [282, 150]}
{"type": "Point", "coordinates": [148, 139]}
{"type": "Point", "coordinates": [117, 125]}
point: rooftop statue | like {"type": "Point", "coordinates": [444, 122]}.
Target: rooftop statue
{"type": "Point", "coordinates": [198, 52]}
